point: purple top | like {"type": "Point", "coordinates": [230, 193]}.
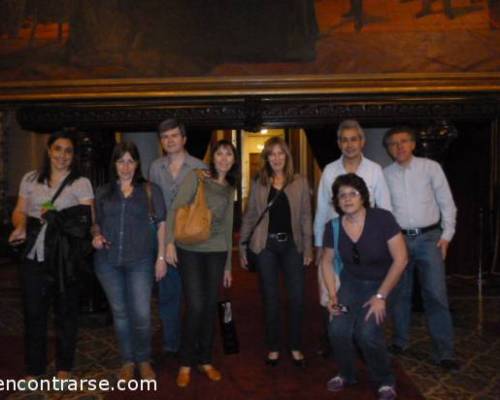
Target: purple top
{"type": "Point", "coordinates": [374, 256]}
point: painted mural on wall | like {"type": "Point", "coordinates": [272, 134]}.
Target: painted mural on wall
{"type": "Point", "coordinates": [88, 39]}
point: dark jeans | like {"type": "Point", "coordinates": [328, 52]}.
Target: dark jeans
{"type": "Point", "coordinates": [169, 299]}
{"type": "Point", "coordinates": [38, 294]}
{"type": "Point", "coordinates": [284, 257]}
{"type": "Point", "coordinates": [351, 326]}
{"type": "Point", "coordinates": [201, 274]}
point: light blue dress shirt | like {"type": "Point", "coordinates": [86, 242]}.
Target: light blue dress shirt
{"type": "Point", "coordinates": [421, 196]}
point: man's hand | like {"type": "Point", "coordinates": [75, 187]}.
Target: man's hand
{"type": "Point", "coordinates": [160, 269]}
{"type": "Point", "coordinates": [443, 246]}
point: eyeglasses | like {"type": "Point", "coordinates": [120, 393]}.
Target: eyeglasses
{"type": "Point", "coordinates": [349, 195]}
{"type": "Point", "coordinates": [356, 258]}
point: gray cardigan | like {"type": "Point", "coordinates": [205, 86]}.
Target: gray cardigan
{"type": "Point", "coordinates": [299, 198]}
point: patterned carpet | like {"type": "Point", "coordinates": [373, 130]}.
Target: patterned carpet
{"type": "Point", "coordinates": [478, 352]}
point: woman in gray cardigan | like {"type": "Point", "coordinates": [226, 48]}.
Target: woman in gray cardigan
{"type": "Point", "coordinates": [282, 241]}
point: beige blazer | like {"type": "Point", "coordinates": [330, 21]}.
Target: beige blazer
{"type": "Point", "coordinates": [299, 198]}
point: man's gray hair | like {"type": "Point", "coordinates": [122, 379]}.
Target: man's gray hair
{"type": "Point", "coordinates": [350, 124]}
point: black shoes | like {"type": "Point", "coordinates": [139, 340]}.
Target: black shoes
{"type": "Point", "coordinates": [272, 361]}
{"type": "Point", "coordinates": [395, 350]}
{"type": "Point", "coordinates": [449, 365]}
{"type": "Point", "coordinates": [298, 359]}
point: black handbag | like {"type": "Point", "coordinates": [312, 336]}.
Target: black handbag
{"type": "Point", "coordinates": [250, 255]}
{"type": "Point", "coordinates": [230, 342]}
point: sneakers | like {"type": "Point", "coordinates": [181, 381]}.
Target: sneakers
{"type": "Point", "coordinates": [336, 384]}
{"type": "Point", "coordinates": [386, 393]}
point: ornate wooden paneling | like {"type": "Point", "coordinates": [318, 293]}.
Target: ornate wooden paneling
{"type": "Point", "coordinates": [253, 112]}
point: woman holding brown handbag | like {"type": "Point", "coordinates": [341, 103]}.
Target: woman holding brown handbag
{"type": "Point", "coordinates": [282, 241]}
{"type": "Point", "coordinates": [205, 264]}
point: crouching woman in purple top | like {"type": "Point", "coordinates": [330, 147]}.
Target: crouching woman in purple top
{"type": "Point", "coordinates": [130, 254]}
{"type": "Point", "coordinates": [373, 256]}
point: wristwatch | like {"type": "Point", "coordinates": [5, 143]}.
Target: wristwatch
{"type": "Point", "coordinates": [380, 296]}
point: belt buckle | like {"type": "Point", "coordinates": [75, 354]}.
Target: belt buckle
{"type": "Point", "coordinates": [412, 232]}
{"type": "Point", "coordinates": [282, 237]}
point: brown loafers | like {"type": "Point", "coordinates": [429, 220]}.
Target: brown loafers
{"type": "Point", "coordinates": [146, 371]}
{"type": "Point", "coordinates": [126, 372]}
{"type": "Point", "coordinates": [210, 372]}
{"type": "Point", "coordinates": [183, 377]}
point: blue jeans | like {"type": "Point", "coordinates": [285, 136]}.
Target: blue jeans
{"type": "Point", "coordinates": [201, 274]}
{"type": "Point", "coordinates": [128, 289]}
{"type": "Point", "coordinates": [346, 328]}
{"type": "Point", "coordinates": [169, 299]}
{"type": "Point", "coordinates": [275, 258]}
{"type": "Point", "coordinates": [426, 258]}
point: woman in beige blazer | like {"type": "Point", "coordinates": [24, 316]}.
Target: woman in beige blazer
{"type": "Point", "coordinates": [282, 241]}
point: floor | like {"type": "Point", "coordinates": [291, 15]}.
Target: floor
{"type": "Point", "coordinates": [477, 344]}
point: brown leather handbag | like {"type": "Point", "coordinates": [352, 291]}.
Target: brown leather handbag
{"type": "Point", "coordinates": [193, 222]}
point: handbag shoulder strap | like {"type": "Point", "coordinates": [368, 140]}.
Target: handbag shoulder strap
{"type": "Point", "coordinates": [336, 236]}
{"type": "Point", "coordinates": [199, 198]}
{"type": "Point", "coordinates": [60, 189]}
{"type": "Point", "coordinates": [268, 207]}
{"type": "Point", "coordinates": [149, 195]}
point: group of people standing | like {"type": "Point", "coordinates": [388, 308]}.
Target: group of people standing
{"type": "Point", "coordinates": [372, 228]}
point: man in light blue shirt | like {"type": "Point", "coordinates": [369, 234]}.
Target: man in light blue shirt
{"type": "Point", "coordinates": [424, 208]}
{"type": "Point", "coordinates": [168, 172]}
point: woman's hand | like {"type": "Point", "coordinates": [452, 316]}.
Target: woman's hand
{"type": "Point", "coordinates": [18, 235]}
{"type": "Point", "coordinates": [99, 242]}
{"type": "Point", "coordinates": [228, 279]}
{"type": "Point", "coordinates": [171, 254]}
{"type": "Point", "coordinates": [332, 307]}
{"type": "Point", "coordinates": [307, 261]}
{"type": "Point", "coordinates": [243, 261]}
{"type": "Point", "coordinates": [377, 308]}
{"type": "Point", "coordinates": [160, 268]}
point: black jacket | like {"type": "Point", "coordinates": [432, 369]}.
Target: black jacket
{"type": "Point", "coordinates": [67, 242]}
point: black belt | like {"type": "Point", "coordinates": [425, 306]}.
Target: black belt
{"type": "Point", "coordinates": [280, 237]}
{"type": "Point", "coordinates": [419, 231]}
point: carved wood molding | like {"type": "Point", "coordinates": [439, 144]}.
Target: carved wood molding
{"type": "Point", "coordinates": [255, 111]}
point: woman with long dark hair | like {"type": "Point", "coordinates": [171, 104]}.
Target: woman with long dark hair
{"type": "Point", "coordinates": [53, 216]}
{"type": "Point", "coordinates": [130, 254]}
{"type": "Point", "coordinates": [282, 241]}
{"type": "Point", "coordinates": [204, 266]}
